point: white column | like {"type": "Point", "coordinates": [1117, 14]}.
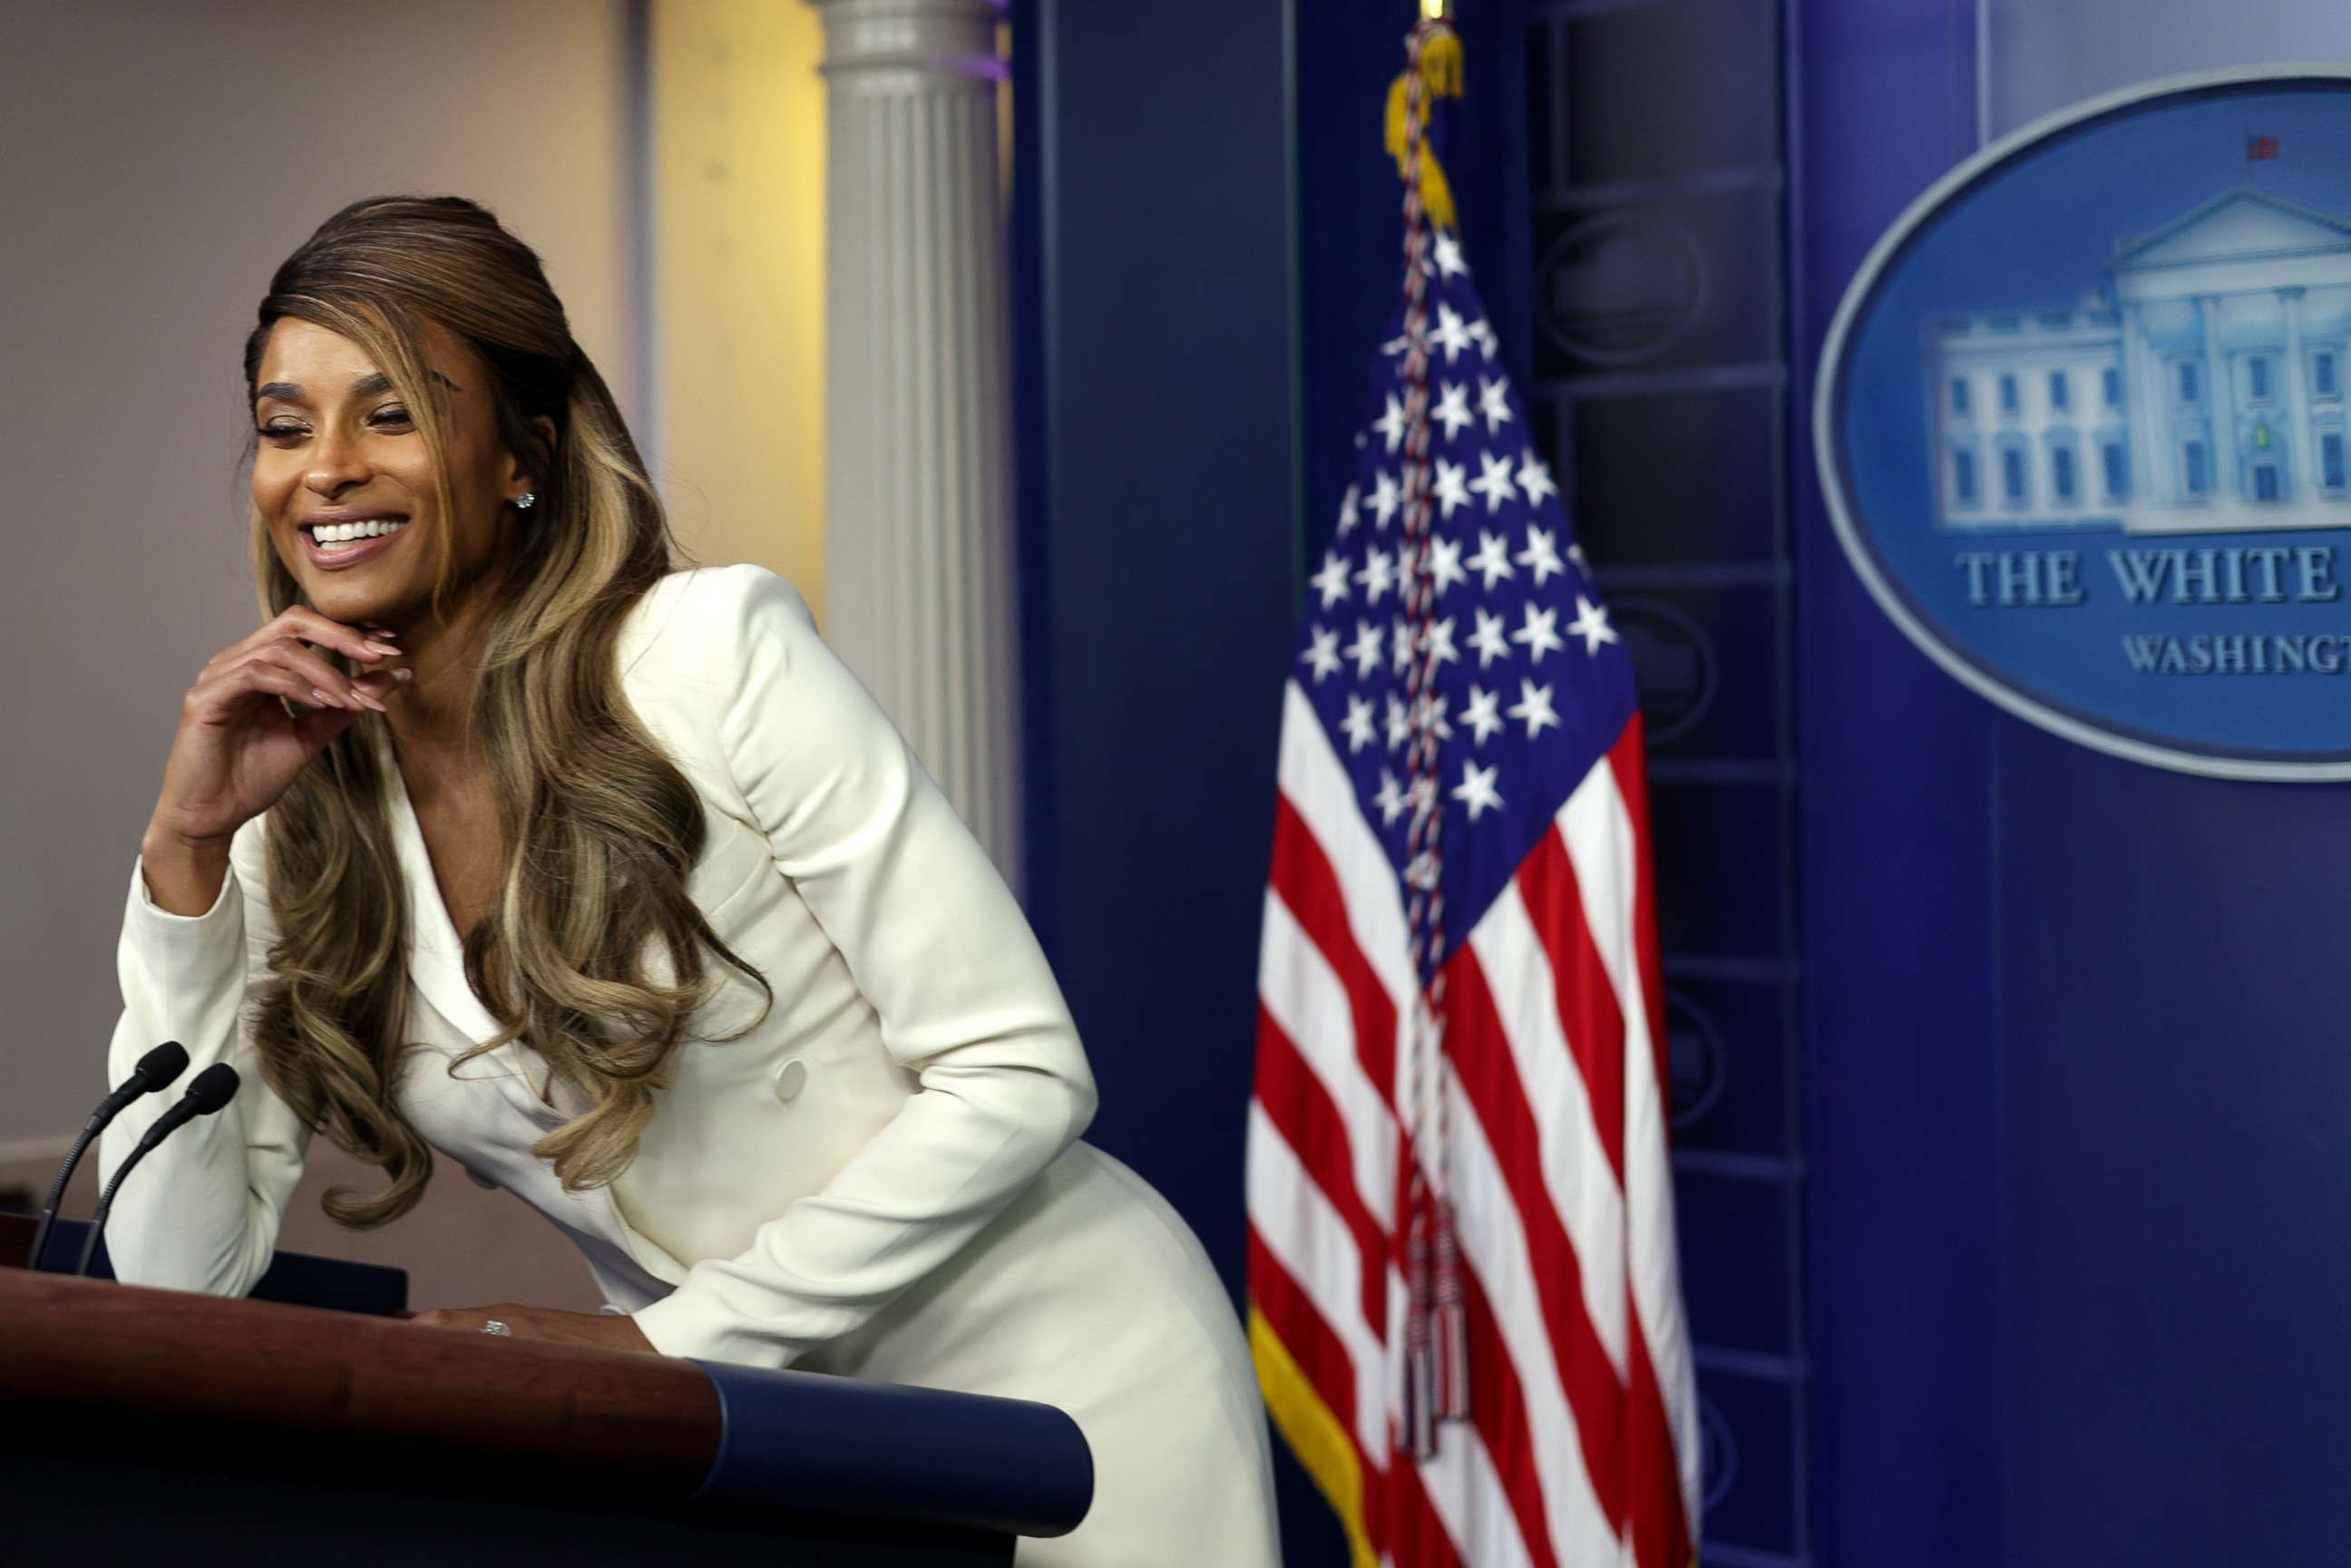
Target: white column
{"type": "Point", "coordinates": [2301, 454]}
{"type": "Point", "coordinates": [918, 471]}
{"type": "Point", "coordinates": [2220, 396]}
{"type": "Point", "coordinates": [2146, 431]}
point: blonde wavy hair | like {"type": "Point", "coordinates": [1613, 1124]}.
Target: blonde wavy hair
{"type": "Point", "coordinates": [603, 827]}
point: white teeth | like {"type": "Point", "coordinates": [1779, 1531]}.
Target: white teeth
{"type": "Point", "coordinates": [337, 533]}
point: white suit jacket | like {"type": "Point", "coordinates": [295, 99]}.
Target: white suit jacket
{"type": "Point", "coordinates": [882, 1179]}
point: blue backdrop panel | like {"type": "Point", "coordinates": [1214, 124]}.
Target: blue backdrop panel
{"type": "Point", "coordinates": [1654, 239]}
{"type": "Point", "coordinates": [1152, 354]}
{"type": "Point", "coordinates": [1896, 890]}
{"type": "Point", "coordinates": [2175, 1385]}
{"type": "Point", "coordinates": [1157, 544]}
{"type": "Point", "coordinates": [2076, 1116]}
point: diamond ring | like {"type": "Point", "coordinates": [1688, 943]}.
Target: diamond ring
{"type": "Point", "coordinates": [494, 1326]}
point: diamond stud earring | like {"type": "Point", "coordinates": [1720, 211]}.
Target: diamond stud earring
{"type": "Point", "coordinates": [524, 502]}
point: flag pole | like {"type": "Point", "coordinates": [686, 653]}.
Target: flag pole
{"type": "Point", "coordinates": [1436, 1358]}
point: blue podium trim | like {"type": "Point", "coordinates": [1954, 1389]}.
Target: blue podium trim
{"type": "Point", "coordinates": [840, 1445]}
{"type": "Point", "coordinates": [292, 1278]}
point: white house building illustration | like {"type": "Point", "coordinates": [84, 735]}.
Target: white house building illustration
{"type": "Point", "coordinates": [2199, 388]}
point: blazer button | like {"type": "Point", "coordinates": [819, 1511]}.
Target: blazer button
{"type": "Point", "coordinates": [791, 1079]}
{"type": "Point", "coordinates": [479, 1180]}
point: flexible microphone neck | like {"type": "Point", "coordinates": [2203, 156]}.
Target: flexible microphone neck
{"type": "Point", "coordinates": [158, 1068]}
{"type": "Point", "coordinates": [212, 1088]}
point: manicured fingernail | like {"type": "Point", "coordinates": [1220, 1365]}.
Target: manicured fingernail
{"type": "Point", "coordinates": [379, 650]}
{"type": "Point", "coordinates": [325, 700]}
{"type": "Point", "coordinates": [370, 698]}
{"type": "Point", "coordinates": [402, 674]}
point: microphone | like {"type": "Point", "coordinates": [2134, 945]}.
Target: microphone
{"type": "Point", "coordinates": [155, 1070]}
{"type": "Point", "coordinates": [214, 1087]}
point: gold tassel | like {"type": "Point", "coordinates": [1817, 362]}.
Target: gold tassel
{"type": "Point", "coordinates": [1440, 76]}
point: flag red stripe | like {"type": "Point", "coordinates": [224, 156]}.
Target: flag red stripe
{"type": "Point", "coordinates": [1626, 760]}
{"type": "Point", "coordinates": [1660, 1523]}
{"type": "Point", "coordinates": [1586, 1000]}
{"type": "Point", "coordinates": [1310, 1121]}
{"type": "Point", "coordinates": [1661, 1536]}
{"type": "Point", "coordinates": [1419, 1536]}
{"type": "Point", "coordinates": [1498, 1404]}
{"type": "Point", "coordinates": [1324, 1360]}
{"type": "Point", "coordinates": [1481, 1057]}
{"type": "Point", "coordinates": [1304, 880]}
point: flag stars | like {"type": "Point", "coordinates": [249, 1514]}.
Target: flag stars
{"type": "Point", "coordinates": [1483, 336]}
{"type": "Point", "coordinates": [1493, 482]}
{"type": "Point", "coordinates": [1483, 716]}
{"type": "Point", "coordinates": [1387, 496]}
{"type": "Point", "coordinates": [1534, 478]}
{"type": "Point", "coordinates": [1445, 565]}
{"type": "Point", "coordinates": [1451, 490]}
{"type": "Point", "coordinates": [1377, 577]}
{"type": "Point", "coordinates": [1452, 409]}
{"type": "Point", "coordinates": [1399, 722]}
{"type": "Point", "coordinates": [1591, 623]}
{"type": "Point", "coordinates": [1407, 569]}
{"type": "Point", "coordinates": [1448, 255]}
{"type": "Point", "coordinates": [1438, 643]}
{"type": "Point", "coordinates": [1361, 729]}
{"type": "Point", "coordinates": [1365, 650]}
{"type": "Point", "coordinates": [1541, 555]}
{"type": "Point", "coordinates": [1452, 333]}
{"type": "Point", "coordinates": [1540, 634]}
{"type": "Point", "coordinates": [1476, 790]}
{"type": "Point", "coordinates": [1390, 424]}
{"type": "Point", "coordinates": [1401, 642]}
{"type": "Point", "coordinates": [1488, 639]}
{"type": "Point", "coordinates": [1494, 403]}
{"type": "Point", "coordinates": [1331, 581]}
{"type": "Point", "coordinates": [1492, 560]}
{"type": "Point", "coordinates": [1321, 653]}
{"type": "Point", "coordinates": [1533, 708]}
{"type": "Point", "coordinates": [1390, 800]}
{"type": "Point", "coordinates": [1428, 712]}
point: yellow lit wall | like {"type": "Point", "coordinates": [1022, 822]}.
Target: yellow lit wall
{"type": "Point", "coordinates": [739, 281]}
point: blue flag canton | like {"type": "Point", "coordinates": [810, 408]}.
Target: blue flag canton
{"type": "Point", "coordinates": [1531, 683]}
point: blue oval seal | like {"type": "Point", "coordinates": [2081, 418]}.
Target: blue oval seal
{"type": "Point", "coordinates": [2081, 423]}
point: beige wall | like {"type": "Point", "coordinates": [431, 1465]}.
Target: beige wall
{"type": "Point", "coordinates": [739, 183]}
{"type": "Point", "coordinates": [158, 158]}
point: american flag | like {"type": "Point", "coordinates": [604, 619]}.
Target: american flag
{"type": "Point", "coordinates": [1544, 1120]}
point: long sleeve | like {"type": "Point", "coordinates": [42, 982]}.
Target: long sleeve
{"type": "Point", "coordinates": [939, 947]}
{"type": "Point", "coordinates": [201, 1212]}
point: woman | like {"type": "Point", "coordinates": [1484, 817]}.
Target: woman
{"type": "Point", "coordinates": [610, 883]}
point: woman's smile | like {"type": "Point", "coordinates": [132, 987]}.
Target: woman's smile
{"type": "Point", "coordinates": [334, 545]}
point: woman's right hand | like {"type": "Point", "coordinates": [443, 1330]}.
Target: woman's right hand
{"type": "Point", "coordinates": [239, 746]}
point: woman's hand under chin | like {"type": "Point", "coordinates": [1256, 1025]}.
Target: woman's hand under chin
{"type": "Point", "coordinates": [605, 1331]}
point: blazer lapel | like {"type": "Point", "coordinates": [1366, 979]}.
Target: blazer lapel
{"type": "Point", "coordinates": [436, 964]}
{"type": "Point", "coordinates": [436, 958]}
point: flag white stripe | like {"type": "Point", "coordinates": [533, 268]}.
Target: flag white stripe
{"type": "Point", "coordinates": [1465, 1491]}
{"type": "Point", "coordinates": [1598, 831]}
{"type": "Point", "coordinates": [1313, 1245]}
{"type": "Point", "coordinates": [1494, 1246]}
{"type": "Point", "coordinates": [1576, 1174]}
{"type": "Point", "coordinates": [1307, 1000]}
{"type": "Point", "coordinates": [1323, 796]}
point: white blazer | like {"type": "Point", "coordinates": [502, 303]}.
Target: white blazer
{"type": "Point", "coordinates": [882, 1179]}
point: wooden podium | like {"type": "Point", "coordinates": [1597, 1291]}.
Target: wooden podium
{"type": "Point", "coordinates": [140, 1424]}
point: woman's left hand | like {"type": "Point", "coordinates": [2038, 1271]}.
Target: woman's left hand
{"type": "Point", "coordinates": [606, 1331]}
